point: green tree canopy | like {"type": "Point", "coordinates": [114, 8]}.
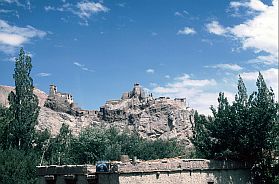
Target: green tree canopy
{"type": "Point", "coordinates": [245, 130]}
{"type": "Point", "coordinates": [23, 110]}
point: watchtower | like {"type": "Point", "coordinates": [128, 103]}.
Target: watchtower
{"type": "Point", "coordinates": [52, 90]}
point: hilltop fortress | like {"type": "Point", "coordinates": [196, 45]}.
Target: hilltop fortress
{"type": "Point", "coordinates": [138, 95]}
{"type": "Point", "coordinates": [136, 111]}
{"type": "Point", "coordinates": [58, 101]}
{"type": "Point", "coordinates": [64, 102]}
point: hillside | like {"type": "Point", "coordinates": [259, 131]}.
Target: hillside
{"type": "Point", "coordinates": [136, 111]}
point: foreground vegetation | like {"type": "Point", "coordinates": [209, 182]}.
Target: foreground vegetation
{"type": "Point", "coordinates": [245, 130]}
{"type": "Point", "coordinates": [18, 165]}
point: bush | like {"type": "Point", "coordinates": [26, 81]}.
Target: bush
{"type": "Point", "coordinates": [18, 166]}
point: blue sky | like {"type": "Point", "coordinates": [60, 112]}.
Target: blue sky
{"type": "Point", "coordinates": [96, 50]}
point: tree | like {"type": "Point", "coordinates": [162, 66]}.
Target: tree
{"type": "Point", "coordinates": [247, 130]}
{"type": "Point", "coordinates": [216, 137]}
{"type": "Point", "coordinates": [23, 110]}
{"type": "Point", "coordinates": [4, 121]}
{"type": "Point", "coordinates": [56, 150]}
{"type": "Point", "coordinates": [241, 112]}
{"type": "Point", "coordinates": [201, 138]}
{"type": "Point", "coordinates": [18, 166]}
{"type": "Point", "coordinates": [263, 120]}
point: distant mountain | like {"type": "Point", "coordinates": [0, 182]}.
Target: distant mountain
{"type": "Point", "coordinates": [136, 111]}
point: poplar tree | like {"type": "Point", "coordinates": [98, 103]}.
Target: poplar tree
{"type": "Point", "coordinates": [263, 120]}
{"type": "Point", "coordinates": [240, 111]}
{"type": "Point", "coordinates": [23, 110]}
{"type": "Point", "coordinates": [201, 137]}
{"type": "Point", "coordinates": [3, 126]}
{"type": "Point", "coordinates": [247, 130]}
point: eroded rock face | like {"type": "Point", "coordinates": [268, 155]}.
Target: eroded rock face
{"type": "Point", "coordinates": [52, 120]}
{"type": "Point", "coordinates": [159, 119]}
{"type": "Point", "coordinates": [150, 117]}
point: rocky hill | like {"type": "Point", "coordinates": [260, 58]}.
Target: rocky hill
{"type": "Point", "coordinates": [48, 118]}
{"type": "Point", "coordinates": [150, 117]}
{"type": "Point", "coordinates": [5, 90]}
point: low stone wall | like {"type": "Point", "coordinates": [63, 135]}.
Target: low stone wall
{"type": "Point", "coordinates": [189, 177]}
{"type": "Point", "coordinates": [165, 171]}
{"type": "Point", "coordinates": [77, 174]}
{"type": "Point", "coordinates": [192, 171]}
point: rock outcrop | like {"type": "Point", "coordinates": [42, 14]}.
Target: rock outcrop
{"type": "Point", "coordinates": [150, 117]}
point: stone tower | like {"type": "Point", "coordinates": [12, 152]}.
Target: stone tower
{"type": "Point", "coordinates": [138, 91]}
{"type": "Point", "coordinates": [52, 90]}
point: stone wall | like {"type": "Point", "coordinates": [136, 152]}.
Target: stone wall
{"type": "Point", "coordinates": [239, 176]}
{"type": "Point", "coordinates": [164, 171]}
{"type": "Point", "coordinates": [77, 174]}
{"type": "Point", "coordinates": [192, 171]}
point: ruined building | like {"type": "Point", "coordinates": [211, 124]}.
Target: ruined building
{"type": "Point", "coordinates": [137, 92]}
{"type": "Point", "coordinates": [64, 102]}
{"type": "Point", "coordinates": [61, 102]}
{"type": "Point", "coordinates": [60, 97]}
